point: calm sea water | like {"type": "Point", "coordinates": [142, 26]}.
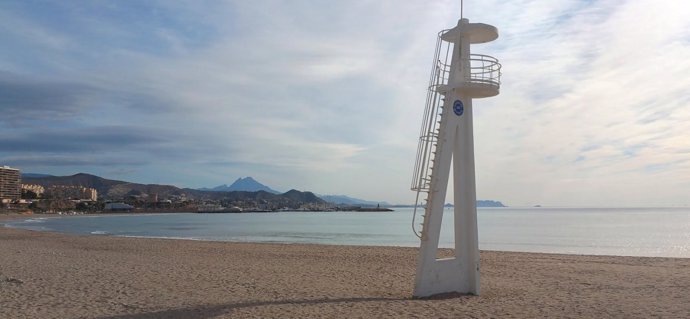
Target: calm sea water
{"type": "Point", "coordinates": [661, 232]}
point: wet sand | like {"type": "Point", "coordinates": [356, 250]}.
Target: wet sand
{"type": "Point", "coordinates": [49, 275]}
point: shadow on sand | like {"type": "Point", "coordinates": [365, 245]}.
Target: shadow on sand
{"type": "Point", "coordinates": [210, 311]}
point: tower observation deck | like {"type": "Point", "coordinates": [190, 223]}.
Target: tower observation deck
{"type": "Point", "coordinates": [479, 75]}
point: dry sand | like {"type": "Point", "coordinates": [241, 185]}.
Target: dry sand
{"type": "Point", "coordinates": [48, 275]}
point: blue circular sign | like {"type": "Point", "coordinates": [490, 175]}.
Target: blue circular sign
{"type": "Point", "coordinates": [458, 108]}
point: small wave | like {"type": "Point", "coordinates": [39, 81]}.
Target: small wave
{"type": "Point", "coordinates": [181, 228]}
{"type": "Point", "coordinates": [163, 237]}
{"type": "Point", "coordinates": [99, 232]}
{"type": "Point", "coordinates": [36, 220]}
{"type": "Point", "coordinates": [27, 227]}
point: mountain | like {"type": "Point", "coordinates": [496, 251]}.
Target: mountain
{"type": "Point", "coordinates": [489, 203]}
{"type": "Point", "coordinates": [247, 184]}
{"type": "Point", "coordinates": [346, 200]}
{"type": "Point", "coordinates": [106, 188]}
{"type": "Point", "coordinates": [484, 203]}
{"type": "Point", "coordinates": [308, 197]}
{"type": "Point", "coordinates": [34, 175]}
{"type": "Point", "coordinates": [480, 203]}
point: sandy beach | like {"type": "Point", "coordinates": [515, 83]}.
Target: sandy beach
{"type": "Point", "coordinates": [49, 275]}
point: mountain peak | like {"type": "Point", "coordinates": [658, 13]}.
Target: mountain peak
{"type": "Point", "coordinates": [85, 175]}
{"type": "Point", "coordinates": [247, 179]}
{"type": "Point", "coordinates": [244, 184]}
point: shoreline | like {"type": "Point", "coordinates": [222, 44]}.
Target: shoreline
{"type": "Point", "coordinates": [54, 275]}
{"type": "Point", "coordinates": [7, 217]}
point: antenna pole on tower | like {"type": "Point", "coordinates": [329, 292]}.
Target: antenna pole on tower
{"type": "Point", "coordinates": [461, 5]}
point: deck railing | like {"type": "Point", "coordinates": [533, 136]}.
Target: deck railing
{"type": "Point", "coordinates": [484, 69]}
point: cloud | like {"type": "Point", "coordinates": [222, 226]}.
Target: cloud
{"type": "Point", "coordinates": [23, 99]}
{"type": "Point", "coordinates": [79, 160]}
{"type": "Point", "coordinates": [82, 139]}
{"type": "Point", "coordinates": [617, 83]}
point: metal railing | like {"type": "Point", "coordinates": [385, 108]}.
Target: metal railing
{"type": "Point", "coordinates": [428, 135]}
{"type": "Point", "coordinates": [484, 69]}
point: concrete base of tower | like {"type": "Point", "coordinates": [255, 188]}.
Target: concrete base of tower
{"type": "Point", "coordinates": [446, 276]}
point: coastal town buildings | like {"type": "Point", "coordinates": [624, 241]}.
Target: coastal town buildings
{"type": "Point", "coordinates": [10, 184]}
{"type": "Point", "coordinates": [118, 207]}
{"type": "Point", "coordinates": [35, 188]}
{"type": "Point", "coordinates": [72, 192]}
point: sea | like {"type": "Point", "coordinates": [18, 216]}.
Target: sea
{"type": "Point", "coordinates": [652, 232]}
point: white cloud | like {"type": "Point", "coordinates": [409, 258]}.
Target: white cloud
{"type": "Point", "coordinates": [618, 79]}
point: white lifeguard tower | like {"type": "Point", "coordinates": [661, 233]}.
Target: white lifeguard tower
{"type": "Point", "coordinates": [446, 137]}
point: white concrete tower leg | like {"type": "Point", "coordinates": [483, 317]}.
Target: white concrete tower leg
{"type": "Point", "coordinates": [466, 237]}
{"type": "Point", "coordinates": [465, 199]}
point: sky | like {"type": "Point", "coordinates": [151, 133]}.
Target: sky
{"type": "Point", "coordinates": [328, 96]}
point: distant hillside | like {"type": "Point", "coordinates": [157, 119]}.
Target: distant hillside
{"type": "Point", "coordinates": [247, 184]}
{"type": "Point", "coordinates": [489, 203]}
{"type": "Point", "coordinates": [106, 188]}
{"type": "Point", "coordinates": [114, 189]}
{"type": "Point", "coordinates": [34, 175]}
{"type": "Point", "coordinates": [308, 197]}
{"type": "Point", "coordinates": [484, 203]}
{"type": "Point", "coordinates": [480, 203]}
{"type": "Point", "coordinates": [346, 200]}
